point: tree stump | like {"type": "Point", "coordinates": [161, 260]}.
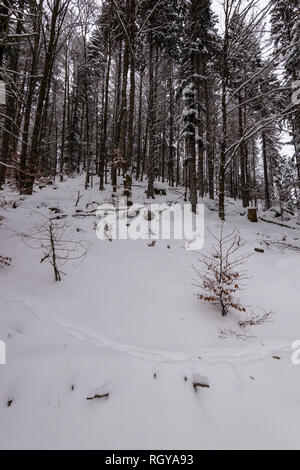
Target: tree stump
{"type": "Point", "coordinates": [127, 185]}
{"type": "Point", "coordinates": [252, 215]}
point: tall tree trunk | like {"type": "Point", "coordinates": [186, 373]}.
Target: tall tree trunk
{"type": "Point", "coordinates": [266, 171]}
{"type": "Point", "coordinates": [191, 154]}
{"type": "Point", "coordinates": [151, 112]}
{"type": "Point", "coordinates": [117, 93]}
{"type": "Point", "coordinates": [63, 133]}
{"type": "Point", "coordinates": [243, 156]}
{"type": "Point", "coordinates": [139, 135]}
{"type": "Point", "coordinates": [31, 88]}
{"type": "Point", "coordinates": [171, 128]}
{"type": "Point", "coordinates": [145, 149]}
{"type": "Point", "coordinates": [103, 146]}
{"type": "Point", "coordinates": [33, 158]}
{"type": "Point", "coordinates": [87, 137]}
{"type": "Point", "coordinates": [178, 161]}
{"type": "Point", "coordinates": [123, 114]}
{"type": "Point", "coordinates": [222, 168]}
{"type": "Point", "coordinates": [163, 151]}
{"type": "Point", "coordinates": [296, 133]}
{"type": "Point", "coordinates": [10, 129]}
{"type": "Point", "coordinates": [223, 155]}
{"type": "Point", "coordinates": [190, 131]}
{"type": "Point", "coordinates": [129, 155]}
{"type": "Point", "coordinates": [201, 70]}
{"type": "Point", "coordinates": [208, 141]}
{"type": "Point", "coordinates": [4, 24]}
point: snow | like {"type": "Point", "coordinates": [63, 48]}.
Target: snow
{"type": "Point", "coordinates": [189, 112]}
{"type": "Point", "coordinates": [125, 321]}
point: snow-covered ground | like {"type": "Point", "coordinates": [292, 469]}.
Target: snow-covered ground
{"type": "Point", "coordinates": [125, 321]}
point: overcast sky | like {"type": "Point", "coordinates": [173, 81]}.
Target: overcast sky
{"type": "Point", "coordinates": [218, 7]}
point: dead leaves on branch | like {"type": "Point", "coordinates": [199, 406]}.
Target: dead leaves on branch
{"type": "Point", "coordinates": [221, 273]}
{"type": "Point", "coordinates": [5, 261]}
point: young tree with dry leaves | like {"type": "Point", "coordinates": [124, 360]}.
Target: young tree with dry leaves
{"type": "Point", "coordinates": [220, 272]}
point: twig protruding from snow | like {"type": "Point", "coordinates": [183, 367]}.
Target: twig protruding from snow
{"type": "Point", "coordinates": [96, 396]}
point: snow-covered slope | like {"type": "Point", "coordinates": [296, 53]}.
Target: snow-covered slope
{"type": "Point", "coordinates": [124, 321]}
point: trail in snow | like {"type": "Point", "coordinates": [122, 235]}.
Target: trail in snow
{"type": "Point", "coordinates": [256, 351]}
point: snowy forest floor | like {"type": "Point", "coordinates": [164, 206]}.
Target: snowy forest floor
{"type": "Point", "coordinates": [125, 321]}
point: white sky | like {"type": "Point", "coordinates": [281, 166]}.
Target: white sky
{"type": "Point", "coordinates": [218, 8]}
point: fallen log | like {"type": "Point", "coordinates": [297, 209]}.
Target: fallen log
{"type": "Point", "coordinates": [281, 245]}
{"type": "Point", "coordinates": [83, 214]}
{"type": "Point", "coordinates": [59, 217]}
{"type": "Point", "coordinates": [277, 223]}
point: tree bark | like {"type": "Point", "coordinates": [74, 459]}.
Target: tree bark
{"type": "Point", "coordinates": [33, 158]}
{"type": "Point", "coordinates": [151, 112]}
{"type": "Point", "coordinates": [139, 135]}
{"type": "Point", "coordinates": [31, 88]}
{"type": "Point", "coordinates": [103, 146]}
{"type": "Point", "coordinates": [9, 122]}
{"type": "Point", "coordinates": [266, 171]}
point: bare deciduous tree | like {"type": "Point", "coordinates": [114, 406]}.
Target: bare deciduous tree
{"type": "Point", "coordinates": [50, 237]}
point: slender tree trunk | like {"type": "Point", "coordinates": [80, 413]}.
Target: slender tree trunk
{"type": "Point", "coordinates": [103, 146]}
{"type": "Point", "coordinates": [243, 156]}
{"type": "Point", "coordinates": [4, 25]}
{"type": "Point", "coordinates": [88, 147]}
{"type": "Point", "coordinates": [139, 135]}
{"type": "Point", "coordinates": [62, 150]}
{"type": "Point", "coordinates": [123, 115]}
{"type": "Point", "coordinates": [33, 159]}
{"type": "Point", "coordinates": [208, 141]}
{"type": "Point", "coordinates": [191, 155]}
{"type": "Point", "coordinates": [201, 158]}
{"type": "Point", "coordinates": [129, 155]}
{"type": "Point", "coordinates": [296, 132]}
{"type": "Point", "coordinates": [9, 121]}
{"type": "Point", "coordinates": [117, 93]}
{"type": "Point", "coordinates": [31, 87]}
{"type": "Point", "coordinates": [178, 162]}
{"type": "Point", "coordinates": [171, 129]}
{"type": "Point", "coordinates": [222, 169]}
{"type": "Point", "coordinates": [145, 150]}
{"type": "Point", "coordinates": [201, 69]}
{"type": "Point", "coordinates": [163, 151]}
{"type": "Point", "coordinates": [266, 171]}
{"type": "Point", "coordinates": [151, 111]}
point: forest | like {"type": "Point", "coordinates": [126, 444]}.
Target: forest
{"type": "Point", "coordinates": [154, 90]}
